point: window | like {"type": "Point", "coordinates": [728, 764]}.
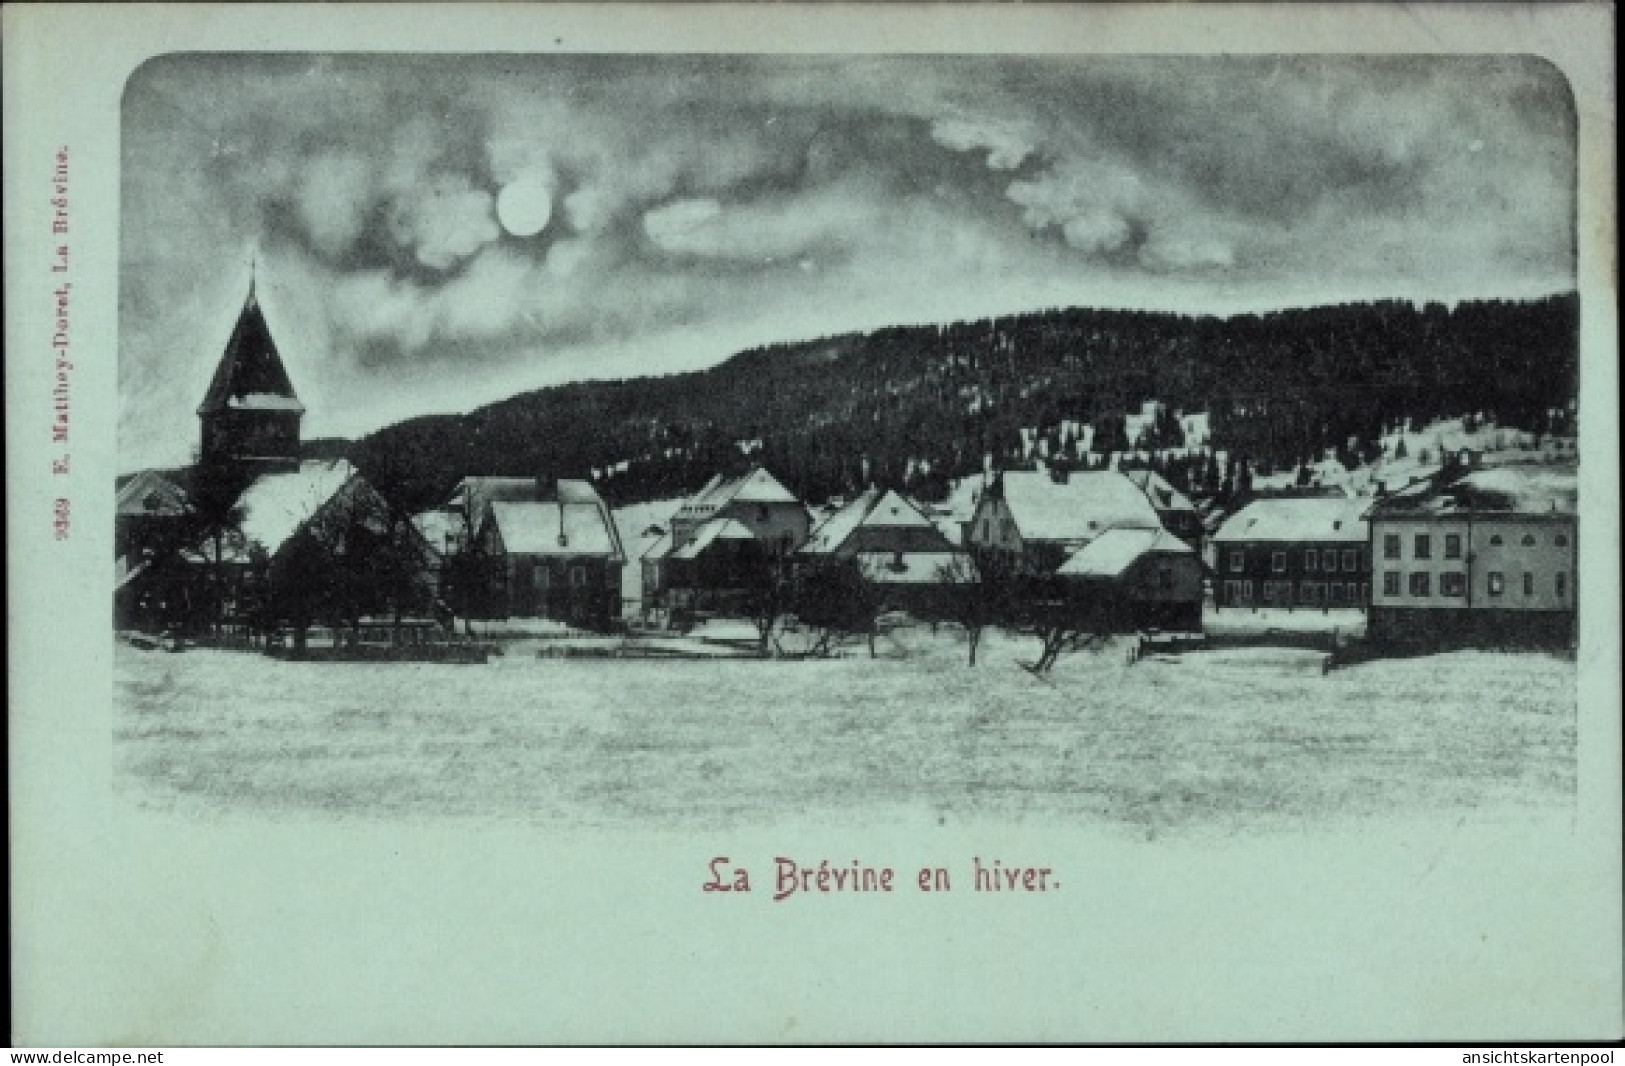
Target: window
{"type": "Point", "coordinates": [540, 577]}
{"type": "Point", "coordinates": [1390, 545]}
{"type": "Point", "coordinates": [1497, 583]}
{"type": "Point", "coordinates": [1278, 562]}
{"type": "Point", "coordinates": [1528, 540]}
{"type": "Point", "coordinates": [1337, 593]}
{"type": "Point", "coordinates": [1528, 583]}
{"type": "Point", "coordinates": [1496, 541]}
{"type": "Point", "coordinates": [1310, 558]}
{"type": "Point", "coordinates": [1390, 583]}
{"type": "Point", "coordinates": [761, 512]}
{"type": "Point", "coordinates": [1330, 561]}
{"type": "Point", "coordinates": [1562, 585]}
{"type": "Point", "coordinates": [1452, 545]}
{"type": "Point", "coordinates": [1453, 584]}
{"type": "Point", "coordinates": [1232, 592]}
{"type": "Point", "coordinates": [1561, 541]}
{"type": "Point", "coordinates": [578, 576]}
{"type": "Point", "coordinates": [1246, 592]}
{"type": "Point", "coordinates": [1424, 546]}
{"type": "Point", "coordinates": [1165, 577]}
{"type": "Point", "coordinates": [1238, 562]}
{"type": "Point", "coordinates": [1421, 584]}
{"type": "Point", "coordinates": [1350, 560]}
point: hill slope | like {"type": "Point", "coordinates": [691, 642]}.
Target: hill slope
{"type": "Point", "coordinates": [919, 405]}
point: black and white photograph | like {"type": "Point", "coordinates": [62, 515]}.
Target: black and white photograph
{"type": "Point", "coordinates": [591, 439]}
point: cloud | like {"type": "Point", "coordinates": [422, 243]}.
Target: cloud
{"type": "Point", "coordinates": [333, 198]}
{"type": "Point", "coordinates": [776, 196]}
{"type": "Point", "coordinates": [684, 225]}
{"type": "Point", "coordinates": [1007, 143]}
{"type": "Point", "coordinates": [443, 221]}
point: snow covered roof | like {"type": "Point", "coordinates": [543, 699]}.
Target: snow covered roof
{"type": "Point", "coordinates": [660, 548]}
{"type": "Point", "coordinates": [873, 508]}
{"type": "Point", "coordinates": [1115, 550]}
{"type": "Point", "coordinates": [149, 493]}
{"type": "Point", "coordinates": [276, 505]}
{"type": "Point", "coordinates": [1516, 488]}
{"type": "Point", "coordinates": [250, 375]}
{"type": "Point", "coordinates": [536, 527]}
{"type": "Point", "coordinates": [758, 486]}
{"type": "Point", "coordinates": [916, 568]}
{"type": "Point", "coordinates": [1079, 508]}
{"type": "Point", "coordinates": [711, 532]}
{"type": "Point", "coordinates": [1328, 519]}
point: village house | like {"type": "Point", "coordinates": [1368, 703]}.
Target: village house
{"type": "Point", "coordinates": [898, 549]}
{"type": "Point", "coordinates": [1041, 517]}
{"type": "Point", "coordinates": [556, 554]}
{"type": "Point", "coordinates": [1152, 578]}
{"type": "Point", "coordinates": [1297, 551]}
{"type": "Point", "coordinates": [1477, 557]}
{"type": "Point", "coordinates": [718, 542]}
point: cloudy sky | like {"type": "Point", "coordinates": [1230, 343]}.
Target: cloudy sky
{"type": "Point", "coordinates": [436, 233]}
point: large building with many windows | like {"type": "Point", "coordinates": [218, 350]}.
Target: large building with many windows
{"type": "Point", "coordinates": [1293, 552]}
{"type": "Point", "coordinates": [1484, 559]}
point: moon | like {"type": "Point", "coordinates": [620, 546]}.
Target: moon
{"type": "Point", "coordinates": [525, 205]}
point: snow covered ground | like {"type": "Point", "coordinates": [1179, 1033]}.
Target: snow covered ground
{"type": "Point", "coordinates": [1220, 741]}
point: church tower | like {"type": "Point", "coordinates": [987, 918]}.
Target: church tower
{"type": "Point", "coordinates": [250, 414]}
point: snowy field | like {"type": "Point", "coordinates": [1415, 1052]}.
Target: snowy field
{"type": "Point", "coordinates": [1211, 741]}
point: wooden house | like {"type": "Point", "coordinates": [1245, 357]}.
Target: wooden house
{"type": "Point", "coordinates": [1040, 518]}
{"type": "Point", "coordinates": [557, 557]}
{"type": "Point", "coordinates": [1478, 557]}
{"type": "Point", "coordinates": [897, 549]}
{"type": "Point", "coordinates": [1294, 552]}
{"type": "Point", "coordinates": [1152, 578]}
{"type": "Point", "coordinates": [718, 542]}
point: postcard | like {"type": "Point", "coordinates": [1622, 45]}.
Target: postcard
{"type": "Point", "coordinates": [812, 524]}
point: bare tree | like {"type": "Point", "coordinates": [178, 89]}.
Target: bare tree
{"type": "Point", "coordinates": [1060, 616]}
{"type": "Point", "coordinates": [769, 595]}
{"type": "Point", "coordinates": [834, 598]}
{"type": "Point", "coordinates": [971, 591]}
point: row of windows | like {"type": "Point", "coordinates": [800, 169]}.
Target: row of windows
{"type": "Point", "coordinates": [1422, 546]}
{"type": "Point", "coordinates": [1314, 560]}
{"type": "Point", "coordinates": [542, 577]}
{"type": "Point", "coordinates": [1454, 583]}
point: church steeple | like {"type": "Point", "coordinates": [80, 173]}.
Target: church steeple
{"type": "Point", "coordinates": [251, 414]}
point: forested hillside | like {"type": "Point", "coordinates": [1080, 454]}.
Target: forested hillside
{"type": "Point", "coordinates": [914, 406]}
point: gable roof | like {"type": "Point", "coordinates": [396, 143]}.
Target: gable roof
{"type": "Point", "coordinates": [537, 527]}
{"type": "Point", "coordinates": [250, 375]}
{"type": "Point", "coordinates": [275, 506]}
{"type": "Point", "coordinates": [1115, 550]}
{"type": "Point", "coordinates": [1080, 508]}
{"type": "Point", "coordinates": [1513, 489]}
{"type": "Point", "coordinates": [1315, 518]}
{"type": "Point", "coordinates": [872, 509]}
{"type": "Point", "coordinates": [150, 494]}
{"type": "Point", "coordinates": [758, 486]}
